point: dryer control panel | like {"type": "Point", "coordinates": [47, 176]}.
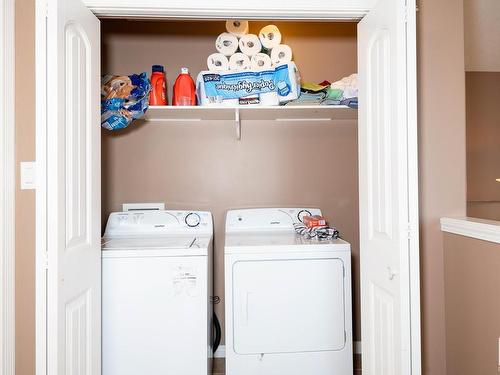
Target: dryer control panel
{"type": "Point", "coordinates": [158, 222]}
{"type": "Point", "coordinates": [258, 219]}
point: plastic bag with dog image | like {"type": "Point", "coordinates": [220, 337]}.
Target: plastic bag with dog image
{"type": "Point", "coordinates": [123, 99]}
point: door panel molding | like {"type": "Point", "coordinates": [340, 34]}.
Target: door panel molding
{"type": "Point", "coordinates": [68, 280]}
{"type": "Point", "coordinates": [388, 185]}
{"type": "Point", "coordinates": [7, 188]}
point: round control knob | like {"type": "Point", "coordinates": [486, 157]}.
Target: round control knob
{"type": "Point", "coordinates": [301, 215]}
{"type": "Point", "coordinates": [192, 219]}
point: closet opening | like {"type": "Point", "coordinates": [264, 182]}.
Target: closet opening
{"type": "Point", "coordinates": [190, 159]}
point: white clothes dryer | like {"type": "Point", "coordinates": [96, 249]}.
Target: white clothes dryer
{"type": "Point", "coordinates": [287, 299]}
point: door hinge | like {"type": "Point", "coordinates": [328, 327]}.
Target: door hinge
{"type": "Point", "coordinates": [409, 230]}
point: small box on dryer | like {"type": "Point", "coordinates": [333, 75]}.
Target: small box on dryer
{"type": "Point", "coordinates": [314, 221]}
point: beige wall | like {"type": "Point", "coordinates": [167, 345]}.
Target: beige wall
{"type": "Point", "coordinates": [484, 210]}
{"type": "Point", "coordinates": [471, 266]}
{"type": "Point", "coordinates": [442, 158]}
{"type": "Point", "coordinates": [472, 305]}
{"type": "Point", "coordinates": [482, 35]}
{"type": "Point", "coordinates": [483, 140]}
{"type": "Point", "coordinates": [25, 199]}
{"type": "Point", "coordinates": [440, 86]}
{"type": "Point", "coordinates": [202, 166]}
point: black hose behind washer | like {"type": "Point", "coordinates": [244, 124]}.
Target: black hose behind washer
{"type": "Point", "coordinates": [218, 332]}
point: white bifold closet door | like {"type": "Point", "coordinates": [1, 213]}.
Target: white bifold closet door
{"type": "Point", "coordinates": [384, 171]}
{"type": "Point", "coordinates": [73, 190]}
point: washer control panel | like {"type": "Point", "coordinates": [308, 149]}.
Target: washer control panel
{"type": "Point", "coordinates": [158, 222]}
{"type": "Point", "coordinates": [192, 219]}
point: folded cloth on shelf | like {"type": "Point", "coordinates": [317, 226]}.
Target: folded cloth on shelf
{"type": "Point", "coordinates": [351, 102]}
{"type": "Point", "coordinates": [343, 92]}
{"type": "Point", "coordinates": [312, 87]}
{"type": "Point", "coordinates": [321, 233]}
{"type": "Point", "coordinates": [348, 85]}
{"type": "Point", "coordinates": [307, 98]}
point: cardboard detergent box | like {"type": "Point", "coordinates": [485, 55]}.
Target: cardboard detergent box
{"type": "Point", "coordinates": [273, 86]}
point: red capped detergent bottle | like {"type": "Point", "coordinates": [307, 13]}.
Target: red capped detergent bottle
{"type": "Point", "coordinates": [158, 93]}
{"type": "Point", "coordinates": [184, 89]}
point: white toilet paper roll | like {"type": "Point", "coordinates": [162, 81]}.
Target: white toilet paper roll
{"type": "Point", "coordinates": [281, 54]}
{"type": "Point", "coordinates": [227, 44]}
{"type": "Point", "coordinates": [239, 61]}
{"type": "Point", "coordinates": [261, 61]}
{"type": "Point", "coordinates": [270, 36]}
{"type": "Point", "coordinates": [230, 103]}
{"type": "Point", "coordinates": [250, 44]}
{"type": "Point", "coordinates": [217, 62]}
{"type": "Point", "coordinates": [237, 27]}
{"type": "Point", "coordinates": [269, 98]}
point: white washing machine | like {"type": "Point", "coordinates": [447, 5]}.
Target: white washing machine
{"type": "Point", "coordinates": [288, 299]}
{"type": "Point", "coordinates": [156, 290]}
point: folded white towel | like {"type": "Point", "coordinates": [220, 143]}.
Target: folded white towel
{"type": "Point", "coordinates": [349, 85]}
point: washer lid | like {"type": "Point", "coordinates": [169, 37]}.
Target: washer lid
{"type": "Point", "coordinates": [155, 246]}
{"type": "Point", "coordinates": [279, 242]}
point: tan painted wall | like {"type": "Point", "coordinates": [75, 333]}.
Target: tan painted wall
{"type": "Point", "coordinates": [483, 144]}
{"type": "Point", "coordinates": [442, 158]}
{"type": "Point", "coordinates": [472, 305]}
{"type": "Point", "coordinates": [202, 166]}
{"type": "Point", "coordinates": [440, 63]}
{"type": "Point", "coordinates": [482, 35]}
{"type": "Point", "coordinates": [484, 210]}
{"type": "Point", "coordinates": [25, 199]}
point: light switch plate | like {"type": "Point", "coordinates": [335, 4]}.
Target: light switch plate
{"type": "Point", "coordinates": [28, 175]}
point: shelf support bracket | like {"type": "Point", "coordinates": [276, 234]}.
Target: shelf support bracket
{"type": "Point", "coordinates": [237, 120]}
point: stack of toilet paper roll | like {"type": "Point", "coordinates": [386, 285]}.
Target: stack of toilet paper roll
{"type": "Point", "coordinates": [238, 50]}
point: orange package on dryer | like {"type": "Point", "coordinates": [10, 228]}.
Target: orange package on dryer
{"type": "Point", "coordinates": [314, 221]}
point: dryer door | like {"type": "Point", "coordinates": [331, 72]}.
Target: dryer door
{"type": "Point", "coordinates": [283, 306]}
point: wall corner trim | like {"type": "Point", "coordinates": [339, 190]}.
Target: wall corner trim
{"type": "Point", "coordinates": [486, 230]}
{"type": "Point", "coordinates": [7, 188]}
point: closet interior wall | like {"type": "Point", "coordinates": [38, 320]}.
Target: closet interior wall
{"type": "Point", "coordinates": [201, 165]}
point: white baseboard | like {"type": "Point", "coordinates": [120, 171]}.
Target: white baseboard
{"type": "Point", "coordinates": [221, 350]}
